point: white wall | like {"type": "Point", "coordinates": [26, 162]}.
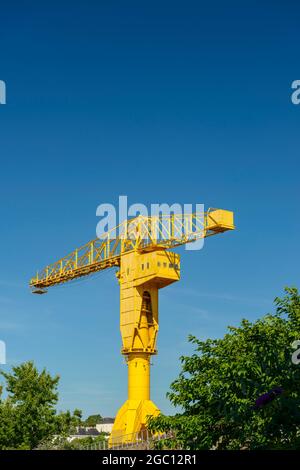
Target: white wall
{"type": "Point", "coordinates": [106, 427]}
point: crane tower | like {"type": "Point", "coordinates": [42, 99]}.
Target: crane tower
{"type": "Point", "coordinates": [139, 248]}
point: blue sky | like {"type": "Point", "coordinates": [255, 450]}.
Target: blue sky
{"type": "Point", "coordinates": [162, 101]}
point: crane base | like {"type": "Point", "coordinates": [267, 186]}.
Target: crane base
{"type": "Point", "coordinates": [131, 422]}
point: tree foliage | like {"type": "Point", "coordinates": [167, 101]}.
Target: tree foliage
{"type": "Point", "coordinates": [221, 382]}
{"type": "Point", "coordinates": [92, 420]}
{"type": "Point", "coordinates": [82, 443]}
{"type": "Point", "coordinates": [28, 414]}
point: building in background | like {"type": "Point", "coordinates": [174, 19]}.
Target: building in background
{"type": "Point", "coordinates": [93, 431]}
{"type": "Point", "coordinates": [106, 425]}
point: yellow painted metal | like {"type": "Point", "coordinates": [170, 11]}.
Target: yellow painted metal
{"type": "Point", "coordinates": [218, 219]}
{"type": "Point", "coordinates": [141, 275]}
{"type": "Point", "coordinates": [132, 417]}
{"type": "Point", "coordinates": [138, 247]}
{"type": "Point", "coordinates": [144, 234]}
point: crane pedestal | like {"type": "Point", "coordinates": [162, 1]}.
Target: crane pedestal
{"type": "Point", "coordinates": [141, 276]}
{"type": "Point", "coordinates": [132, 416]}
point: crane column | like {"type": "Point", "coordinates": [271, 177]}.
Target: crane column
{"type": "Point", "coordinates": [138, 376]}
{"type": "Point", "coordinates": [141, 276]}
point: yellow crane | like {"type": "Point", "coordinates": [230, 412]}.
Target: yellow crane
{"type": "Point", "coordinates": [139, 249]}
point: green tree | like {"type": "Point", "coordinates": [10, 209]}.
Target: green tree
{"type": "Point", "coordinates": [220, 383]}
{"type": "Point", "coordinates": [85, 443]}
{"type": "Point", "coordinates": [28, 414]}
{"type": "Point", "coordinates": [92, 420]}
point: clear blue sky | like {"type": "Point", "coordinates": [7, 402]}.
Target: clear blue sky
{"type": "Point", "coordinates": [164, 101]}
